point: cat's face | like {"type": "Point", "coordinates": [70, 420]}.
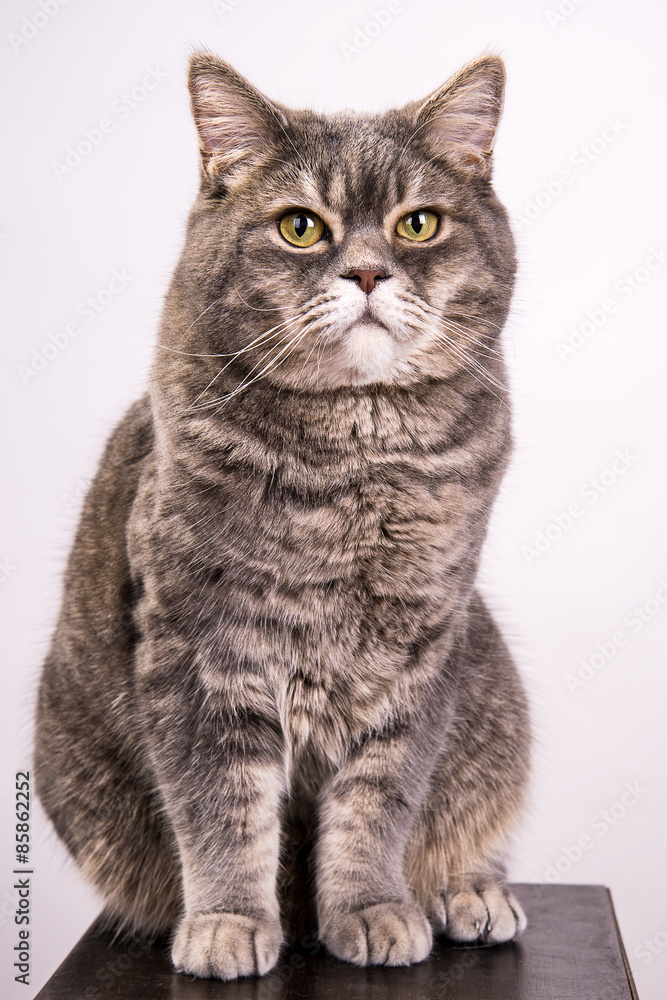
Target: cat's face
{"type": "Point", "coordinates": [328, 251]}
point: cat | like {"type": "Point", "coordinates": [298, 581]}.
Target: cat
{"type": "Point", "coordinates": [274, 699]}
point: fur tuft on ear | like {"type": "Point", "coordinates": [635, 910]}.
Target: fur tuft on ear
{"type": "Point", "coordinates": [459, 120]}
{"type": "Point", "coordinates": [234, 120]}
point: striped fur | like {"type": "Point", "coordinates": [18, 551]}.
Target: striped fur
{"type": "Point", "coordinates": [275, 704]}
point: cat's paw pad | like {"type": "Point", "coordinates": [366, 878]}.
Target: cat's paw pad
{"type": "Point", "coordinates": [382, 934]}
{"type": "Point", "coordinates": [489, 913]}
{"type": "Point", "coordinates": [226, 945]}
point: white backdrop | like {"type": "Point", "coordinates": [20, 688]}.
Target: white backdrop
{"type": "Point", "coordinates": [576, 564]}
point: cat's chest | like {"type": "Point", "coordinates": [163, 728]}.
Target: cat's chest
{"type": "Point", "coordinates": [355, 580]}
{"type": "Point", "coordinates": [389, 523]}
{"type": "Point", "coordinates": [353, 491]}
{"type": "Point", "coordinates": [330, 568]}
{"type": "Point", "coordinates": [326, 706]}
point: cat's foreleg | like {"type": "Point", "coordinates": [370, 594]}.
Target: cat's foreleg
{"type": "Point", "coordinates": [218, 759]}
{"type": "Point", "coordinates": [365, 909]}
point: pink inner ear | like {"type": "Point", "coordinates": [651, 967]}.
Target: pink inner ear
{"type": "Point", "coordinates": [461, 120]}
{"type": "Point", "coordinates": [462, 129]}
{"type": "Point", "coordinates": [226, 121]}
{"type": "Point", "coordinates": [229, 134]}
{"type": "Point", "coordinates": [481, 136]}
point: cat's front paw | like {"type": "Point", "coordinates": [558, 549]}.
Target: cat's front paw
{"type": "Point", "coordinates": [226, 945]}
{"type": "Point", "coordinates": [382, 934]}
{"type": "Point", "coordinates": [486, 911]}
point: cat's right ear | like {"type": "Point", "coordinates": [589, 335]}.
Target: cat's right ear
{"type": "Point", "coordinates": [235, 121]}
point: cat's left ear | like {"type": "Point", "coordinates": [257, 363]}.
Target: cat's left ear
{"type": "Point", "coordinates": [459, 120]}
{"type": "Point", "coordinates": [234, 120]}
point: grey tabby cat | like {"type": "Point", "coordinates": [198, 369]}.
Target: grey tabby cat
{"type": "Point", "coordinates": [274, 700]}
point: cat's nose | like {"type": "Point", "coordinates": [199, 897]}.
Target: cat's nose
{"type": "Point", "coordinates": [365, 277]}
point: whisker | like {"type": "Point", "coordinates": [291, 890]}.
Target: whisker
{"type": "Point", "coordinates": [189, 354]}
{"type": "Point", "coordinates": [270, 366]}
{"type": "Point", "coordinates": [462, 353]}
{"type": "Point", "coordinates": [244, 382]}
{"type": "Point", "coordinates": [317, 307]}
{"type": "Point", "coordinates": [479, 346]}
{"type": "Point", "coordinates": [256, 308]}
{"type": "Point", "coordinates": [202, 313]}
{"type": "Point", "coordinates": [478, 319]}
{"type": "Point", "coordinates": [319, 339]}
{"type": "Point", "coordinates": [424, 312]}
{"type": "Point", "coordinates": [478, 370]}
{"type": "Point", "coordinates": [258, 341]}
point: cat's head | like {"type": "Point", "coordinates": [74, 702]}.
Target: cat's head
{"type": "Point", "coordinates": [347, 249]}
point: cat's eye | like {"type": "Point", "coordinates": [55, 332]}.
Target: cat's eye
{"type": "Point", "coordinates": [417, 226]}
{"type": "Point", "coordinates": [302, 229]}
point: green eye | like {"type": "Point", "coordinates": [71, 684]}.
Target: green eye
{"type": "Point", "coordinates": [417, 226]}
{"type": "Point", "coordinates": [301, 229]}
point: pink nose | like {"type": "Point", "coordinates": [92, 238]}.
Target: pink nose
{"type": "Point", "coordinates": [366, 278]}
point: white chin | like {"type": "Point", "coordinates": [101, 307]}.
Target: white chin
{"type": "Point", "coordinates": [369, 352]}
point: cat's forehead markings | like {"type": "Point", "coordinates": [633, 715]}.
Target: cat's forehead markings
{"type": "Point", "coordinates": [310, 188]}
{"type": "Point", "coordinates": [300, 191]}
{"type": "Point", "coordinates": [419, 188]}
{"type": "Point", "coordinates": [336, 194]}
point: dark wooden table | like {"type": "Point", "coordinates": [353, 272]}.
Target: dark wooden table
{"type": "Point", "coordinates": [572, 950]}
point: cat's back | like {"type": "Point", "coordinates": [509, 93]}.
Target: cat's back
{"type": "Point", "coordinates": [112, 492]}
{"type": "Point", "coordinates": [84, 721]}
{"type": "Point", "coordinates": [97, 580]}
